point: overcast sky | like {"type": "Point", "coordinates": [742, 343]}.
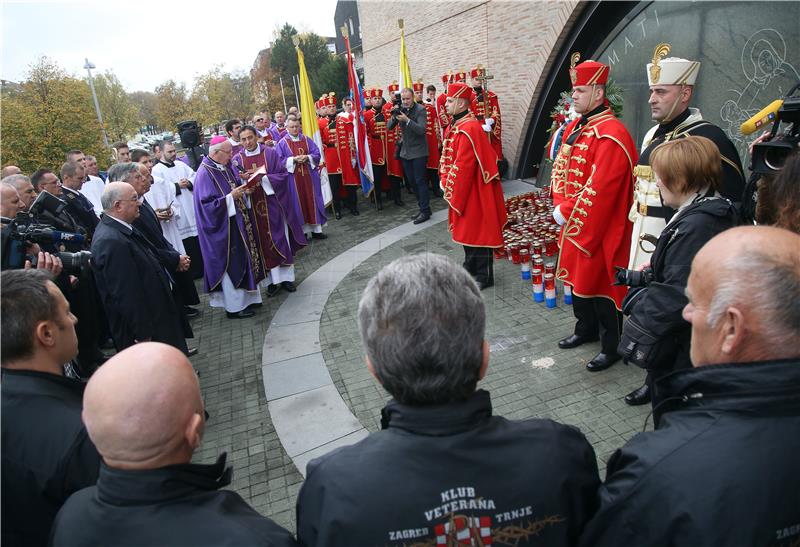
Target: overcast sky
{"type": "Point", "coordinates": [145, 42]}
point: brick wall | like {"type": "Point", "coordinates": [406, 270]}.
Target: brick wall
{"type": "Point", "coordinates": [515, 40]}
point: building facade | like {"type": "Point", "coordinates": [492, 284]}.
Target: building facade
{"type": "Point", "coordinates": [750, 55]}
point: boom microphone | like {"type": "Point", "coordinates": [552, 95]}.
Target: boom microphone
{"type": "Point", "coordinates": [765, 117]}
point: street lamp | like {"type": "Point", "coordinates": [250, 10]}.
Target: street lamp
{"type": "Point", "coordinates": [89, 66]}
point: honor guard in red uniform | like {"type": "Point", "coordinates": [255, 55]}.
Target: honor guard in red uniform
{"type": "Point", "coordinates": [432, 136]}
{"type": "Point", "coordinates": [441, 112]}
{"type": "Point", "coordinates": [472, 188]}
{"type": "Point", "coordinates": [592, 186]}
{"type": "Point", "coordinates": [327, 128]}
{"type": "Point", "coordinates": [486, 108]}
{"type": "Point", "coordinates": [394, 168]}
{"type": "Point", "coordinates": [348, 160]}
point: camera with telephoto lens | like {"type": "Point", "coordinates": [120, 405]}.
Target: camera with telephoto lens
{"type": "Point", "coordinates": [633, 278]}
{"type": "Point", "coordinates": [22, 232]}
{"type": "Point", "coordinates": [397, 106]}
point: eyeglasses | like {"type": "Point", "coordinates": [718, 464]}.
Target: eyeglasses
{"type": "Point", "coordinates": [54, 182]}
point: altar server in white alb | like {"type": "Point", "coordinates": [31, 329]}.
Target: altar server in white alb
{"type": "Point", "coordinates": [181, 177]}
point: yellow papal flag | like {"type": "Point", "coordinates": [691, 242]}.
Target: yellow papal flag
{"type": "Point", "coordinates": [405, 70]}
{"type": "Point", "coordinates": [310, 124]}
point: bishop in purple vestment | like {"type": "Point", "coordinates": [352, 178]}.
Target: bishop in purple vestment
{"type": "Point", "coordinates": [232, 264]}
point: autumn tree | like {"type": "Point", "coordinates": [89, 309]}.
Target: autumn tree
{"type": "Point", "coordinates": [172, 104]}
{"type": "Point", "coordinates": [146, 103]}
{"type": "Point", "coordinates": [51, 113]}
{"type": "Point", "coordinates": [326, 71]}
{"type": "Point", "coordinates": [219, 96]}
{"type": "Point", "coordinates": [120, 114]}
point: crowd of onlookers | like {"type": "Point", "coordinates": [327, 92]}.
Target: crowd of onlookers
{"type": "Point", "coordinates": [108, 461]}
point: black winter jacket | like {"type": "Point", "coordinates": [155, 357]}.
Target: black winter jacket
{"type": "Point", "coordinates": [720, 469]}
{"type": "Point", "coordinates": [174, 505]}
{"type": "Point", "coordinates": [451, 471]}
{"type": "Point", "coordinates": [656, 336]}
{"type": "Point", "coordinates": [47, 454]}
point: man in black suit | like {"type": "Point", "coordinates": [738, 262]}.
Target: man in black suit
{"type": "Point", "coordinates": [78, 206]}
{"type": "Point", "coordinates": [81, 294]}
{"type": "Point", "coordinates": [135, 287]}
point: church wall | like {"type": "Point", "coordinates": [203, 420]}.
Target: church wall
{"type": "Point", "coordinates": [515, 40]}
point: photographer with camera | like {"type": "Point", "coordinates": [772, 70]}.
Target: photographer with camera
{"type": "Point", "coordinates": [688, 173]}
{"type": "Point", "coordinates": [412, 118]}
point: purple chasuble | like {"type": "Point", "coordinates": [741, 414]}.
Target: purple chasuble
{"type": "Point", "coordinates": [228, 244]}
{"type": "Point", "coordinates": [305, 179]}
{"type": "Point", "coordinates": [283, 208]}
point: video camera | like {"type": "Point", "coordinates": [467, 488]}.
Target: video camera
{"type": "Point", "coordinates": [769, 156]}
{"type": "Point", "coordinates": [23, 231]}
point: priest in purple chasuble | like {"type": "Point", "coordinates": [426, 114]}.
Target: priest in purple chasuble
{"type": "Point", "coordinates": [302, 157]}
{"type": "Point", "coordinates": [279, 222]}
{"type": "Point", "coordinates": [277, 129]}
{"type": "Point", "coordinates": [232, 265]}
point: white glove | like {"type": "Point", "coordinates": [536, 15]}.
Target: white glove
{"type": "Point", "coordinates": [489, 121]}
{"type": "Point", "coordinates": [560, 220]}
{"type": "Point", "coordinates": [353, 163]}
{"type": "Point", "coordinates": [487, 127]}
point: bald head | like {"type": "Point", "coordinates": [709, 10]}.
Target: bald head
{"type": "Point", "coordinates": [743, 292]}
{"type": "Point", "coordinates": [143, 408]}
{"type": "Point", "coordinates": [9, 170]}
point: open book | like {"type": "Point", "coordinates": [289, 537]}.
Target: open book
{"type": "Point", "coordinates": [255, 178]}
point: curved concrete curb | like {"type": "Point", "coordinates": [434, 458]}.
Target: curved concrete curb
{"type": "Point", "coordinates": [309, 415]}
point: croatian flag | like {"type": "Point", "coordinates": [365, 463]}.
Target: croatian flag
{"type": "Point", "coordinates": [359, 126]}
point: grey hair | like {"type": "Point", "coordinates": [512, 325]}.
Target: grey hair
{"type": "Point", "coordinates": [767, 285]}
{"type": "Point", "coordinates": [111, 194]}
{"type": "Point", "coordinates": [119, 172]}
{"type": "Point", "coordinates": [422, 322]}
{"type": "Point", "coordinates": [15, 180]}
{"type": "Point", "coordinates": [215, 147]}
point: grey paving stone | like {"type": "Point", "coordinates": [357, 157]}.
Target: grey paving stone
{"type": "Point", "coordinates": [284, 342]}
{"type": "Point", "coordinates": [311, 419]}
{"type": "Point", "coordinates": [295, 376]}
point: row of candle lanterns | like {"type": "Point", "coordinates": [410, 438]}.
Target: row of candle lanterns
{"type": "Point", "coordinates": [530, 240]}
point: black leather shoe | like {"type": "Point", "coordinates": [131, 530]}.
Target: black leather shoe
{"type": "Point", "coordinates": [602, 361]}
{"type": "Point", "coordinates": [272, 290]}
{"type": "Point", "coordinates": [190, 311]}
{"type": "Point", "coordinates": [245, 313]}
{"type": "Point", "coordinates": [191, 352]}
{"type": "Point", "coordinates": [289, 286]}
{"type": "Point", "coordinates": [399, 203]}
{"type": "Point", "coordinates": [422, 217]}
{"type": "Point", "coordinates": [573, 341]}
{"type": "Point", "coordinates": [254, 305]}
{"type": "Point", "coordinates": [320, 235]}
{"type": "Point", "coordinates": [639, 396]}
{"type": "Point", "coordinates": [338, 215]}
{"type": "Point", "coordinates": [355, 212]}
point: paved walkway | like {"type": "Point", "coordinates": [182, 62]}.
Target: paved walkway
{"type": "Point", "coordinates": [290, 383]}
